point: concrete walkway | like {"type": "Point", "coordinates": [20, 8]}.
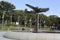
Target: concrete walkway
{"type": "Point", "coordinates": [32, 36]}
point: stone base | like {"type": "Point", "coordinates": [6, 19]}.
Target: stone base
{"type": "Point", "coordinates": [32, 36]}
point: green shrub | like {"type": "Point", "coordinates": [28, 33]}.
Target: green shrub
{"type": "Point", "coordinates": [9, 24]}
{"type": "Point", "coordinates": [13, 29]}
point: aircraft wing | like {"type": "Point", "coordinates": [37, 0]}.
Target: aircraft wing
{"type": "Point", "coordinates": [32, 7]}
{"type": "Point", "coordinates": [36, 9]}
{"type": "Point", "coordinates": [43, 9]}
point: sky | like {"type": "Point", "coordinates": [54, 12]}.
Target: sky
{"type": "Point", "coordinates": [53, 5]}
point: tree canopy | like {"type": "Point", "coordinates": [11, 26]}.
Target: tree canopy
{"type": "Point", "coordinates": [6, 6]}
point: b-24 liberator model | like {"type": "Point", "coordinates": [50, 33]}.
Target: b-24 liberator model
{"type": "Point", "coordinates": [36, 9]}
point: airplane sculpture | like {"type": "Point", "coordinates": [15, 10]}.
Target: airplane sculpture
{"type": "Point", "coordinates": [36, 9]}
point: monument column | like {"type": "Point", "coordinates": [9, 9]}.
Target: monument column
{"type": "Point", "coordinates": [36, 23]}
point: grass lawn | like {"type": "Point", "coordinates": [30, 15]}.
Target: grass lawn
{"type": "Point", "coordinates": [20, 28]}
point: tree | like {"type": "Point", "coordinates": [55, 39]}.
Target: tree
{"type": "Point", "coordinates": [6, 6]}
{"type": "Point", "coordinates": [44, 18]}
{"type": "Point", "coordinates": [54, 19]}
